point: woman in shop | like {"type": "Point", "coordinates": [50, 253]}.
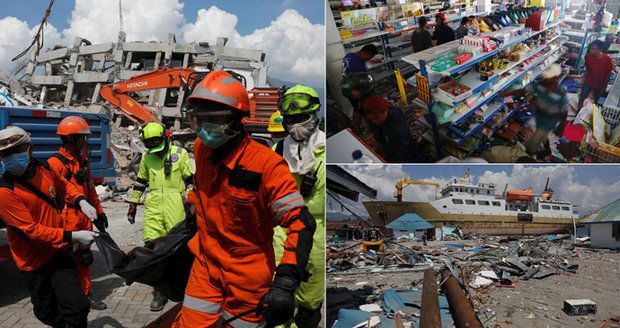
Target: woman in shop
{"type": "Point", "coordinates": [599, 66]}
{"type": "Point", "coordinates": [549, 105]}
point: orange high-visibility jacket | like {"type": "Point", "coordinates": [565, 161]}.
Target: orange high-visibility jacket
{"type": "Point", "coordinates": [239, 199]}
{"type": "Point", "coordinates": [34, 227]}
{"type": "Point", "coordinates": [74, 218]}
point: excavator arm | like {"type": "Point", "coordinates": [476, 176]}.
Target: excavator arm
{"type": "Point", "coordinates": [118, 94]}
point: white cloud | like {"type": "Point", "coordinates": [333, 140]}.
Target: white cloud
{"type": "Point", "coordinates": [16, 36]}
{"type": "Point", "coordinates": [294, 47]}
{"type": "Point", "coordinates": [590, 195]}
{"type": "Point", "coordinates": [147, 20]}
{"type": "Point", "coordinates": [210, 24]}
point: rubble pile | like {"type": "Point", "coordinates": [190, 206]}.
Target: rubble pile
{"type": "Point", "coordinates": [479, 267]}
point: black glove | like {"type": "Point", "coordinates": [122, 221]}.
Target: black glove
{"type": "Point", "coordinates": [190, 217]}
{"type": "Point", "coordinates": [101, 222]}
{"type": "Point", "coordinates": [278, 305]}
{"type": "Point", "coordinates": [131, 214]}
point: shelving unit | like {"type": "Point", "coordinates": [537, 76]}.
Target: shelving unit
{"type": "Point", "coordinates": [486, 104]}
{"type": "Point", "coordinates": [392, 36]}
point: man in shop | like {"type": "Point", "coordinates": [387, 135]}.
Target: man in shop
{"type": "Point", "coordinates": [443, 32]}
{"type": "Point", "coordinates": [71, 162]}
{"type": "Point", "coordinates": [168, 173]}
{"type": "Point", "coordinates": [356, 61]}
{"type": "Point", "coordinates": [421, 38]}
{"type": "Point", "coordinates": [599, 67]}
{"type": "Point", "coordinates": [304, 152]}
{"type": "Point", "coordinates": [389, 127]}
{"type": "Point", "coordinates": [242, 191]}
{"type": "Point", "coordinates": [356, 87]}
{"type": "Point", "coordinates": [463, 29]}
{"type": "Point", "coordinates": [32, 196]}
{"type": "Point", "coordinates": [550, 105]}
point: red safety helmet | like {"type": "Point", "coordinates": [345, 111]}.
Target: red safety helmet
{"type": "Point", "coordinates": [441, 16]}
{"type": "Point", "coordinates": [71, 125]}
{"type": "Point", "coordinates": [222, 88]}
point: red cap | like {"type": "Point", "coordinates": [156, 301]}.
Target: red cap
{"type": "Point", "coordinates": [441, 16]}
{"type": "Point", "coordinates": [376, 104]}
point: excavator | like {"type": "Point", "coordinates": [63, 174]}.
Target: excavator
{"type": "Point", "coordinates": [263, 101]}
{"type": "Point", "coordinates": [404, 182]}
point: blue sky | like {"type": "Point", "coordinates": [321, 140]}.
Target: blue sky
{"type": "Point", "coordinates": [261, 12]}
{"type": "Point", "coordinates": [589, 186]}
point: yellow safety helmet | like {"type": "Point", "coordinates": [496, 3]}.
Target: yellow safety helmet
{"type": "Point", "coordinates": [275, 122]}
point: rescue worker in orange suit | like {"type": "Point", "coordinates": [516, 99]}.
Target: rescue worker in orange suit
{"type": "Point", "coordinates": [242, 190]}
{"type": "Point", "coordinates": [71, 163]}
{"type": "Point", "coordinates": [32, 196]}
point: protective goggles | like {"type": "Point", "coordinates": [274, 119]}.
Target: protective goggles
{"type": "Point", "coordinates": [153, 142]}
{"type": "Point", "coordinates": [297, 101]}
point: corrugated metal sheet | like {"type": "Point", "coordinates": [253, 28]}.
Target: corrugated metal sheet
{"type": "Point", "coordinates": [409, 222]}
{"type": "Point", "coordinates": [609, 213]}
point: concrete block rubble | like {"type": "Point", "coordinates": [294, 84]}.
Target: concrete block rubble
{"type": "Point", "coordinates": [384, 288]}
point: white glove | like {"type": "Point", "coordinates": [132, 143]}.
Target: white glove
{"type": "Point", "coordinates": [88, 210]}
{"type": "Point", "coordinates": [83, 237]}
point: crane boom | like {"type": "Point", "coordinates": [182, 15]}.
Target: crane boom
{"type": "Point", "coordinates": [402, 183]}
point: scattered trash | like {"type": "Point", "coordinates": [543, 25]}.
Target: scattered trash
{"type": "Point", "coordinates": [579, 307]}
{"type": "Point", "coordinates": [103, 192]}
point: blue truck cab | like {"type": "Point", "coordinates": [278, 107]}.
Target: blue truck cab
{"type": "Point", "coordinates": [42, 125]}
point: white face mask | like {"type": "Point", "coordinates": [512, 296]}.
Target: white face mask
{"type": "Point", "coordinates": [302, 131]}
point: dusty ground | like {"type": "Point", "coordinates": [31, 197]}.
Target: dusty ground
{"type": "Point", "coordinates": [532, 303]}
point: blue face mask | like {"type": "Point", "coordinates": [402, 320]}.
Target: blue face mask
{"type": "Point", "coordinates": [16, 164]}
{"type": "Point", "coordinates": [214, 135]}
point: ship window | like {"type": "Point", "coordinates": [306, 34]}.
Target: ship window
{"type": "Point", "coordinates": [477, 191]}
{"type": "Point", "coordinates": [497, 204]}
{"type": "Point", "coordinates": [557, 208]}
{"type": "Point", "coordinates": [470, 202]}
{"type": "Point", "coordinates": [546, 207]}
{"type": "Point", "coordinates": [483, 202]}
{"type": "Point", "coordinates": [457, 201]}
{"type": "Point", "coordinates": [565, 208]}
{"type": "Point", "coordinates": [488, 192]}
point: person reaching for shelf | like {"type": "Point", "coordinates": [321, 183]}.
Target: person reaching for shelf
{"type": "Point", "coordinates": [549, 104]}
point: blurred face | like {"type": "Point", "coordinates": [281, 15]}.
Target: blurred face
{"type": "Point", "coordinates": [377, 117]}
{"type": "Point", "coordinates": [356, 94]}
{"type": "Point", "coordinates": [80, 142]}
{"type": "Point", "coordinates": [365, 56]}
{"type": "Point", "coordinates": [15, 150]}
{"type": "Point", "coordinates": [550, 83]}
{"type": "Point", "coordinates": [595, 51]}
{"type": "Point", "coordinates": [209, 115]}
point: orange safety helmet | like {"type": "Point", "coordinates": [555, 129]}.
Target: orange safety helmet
{"type": "Point", "coordinates": [223, 88]}
{"type": "Point", "coordinates": [73, 125]}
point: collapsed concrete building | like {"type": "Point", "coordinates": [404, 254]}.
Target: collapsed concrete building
{"type": "Point", "coordinates": [71, 77]}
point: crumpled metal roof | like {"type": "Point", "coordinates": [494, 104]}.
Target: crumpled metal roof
{"type": "Point", "coordinates": [607, 214]}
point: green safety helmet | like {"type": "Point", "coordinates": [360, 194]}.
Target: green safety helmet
{"type": "Point", "coordinates": [299, 99]}
{"type": "Point", "coordinates": [153, 136]}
